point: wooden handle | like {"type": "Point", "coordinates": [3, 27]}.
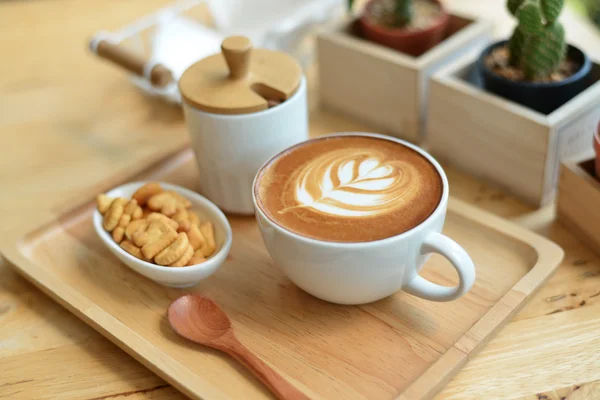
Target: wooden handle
{"type": "Point", "coordinates": [237, 50]}
{"type": "Point", "coordinates": [159, 76]}
{"type": "Point", "coordinates": [280, 387]}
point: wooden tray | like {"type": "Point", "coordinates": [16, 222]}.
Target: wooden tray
{"type": "Point", "coordinates": [401, 347]}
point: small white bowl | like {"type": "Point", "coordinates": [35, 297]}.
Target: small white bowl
{"type": "Point", "coordinates": [180, 277]}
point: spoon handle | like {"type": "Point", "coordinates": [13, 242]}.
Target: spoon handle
{"type": "Point", "coordinates": [280, 387]}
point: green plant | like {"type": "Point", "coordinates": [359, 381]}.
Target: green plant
{"type": "Point", "coordinates": [402, 13]}
{"type": "Point", "coordinates": [537, 45]}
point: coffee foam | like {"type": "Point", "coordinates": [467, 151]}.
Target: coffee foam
{"type": "Point", "coordinates": [354, 183]}
{"type": "Point", "coordinates": [349, 189]}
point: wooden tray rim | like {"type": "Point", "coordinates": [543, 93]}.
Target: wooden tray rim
{"type": "Point", "coordinates": [549, 257]}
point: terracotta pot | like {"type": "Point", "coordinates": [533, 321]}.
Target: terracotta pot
{"type": "Point", "coordinates": [412, 42]}
{"type": "Point", "coordinates": [597, 148]}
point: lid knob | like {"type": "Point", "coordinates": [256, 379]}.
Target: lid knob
{"type": "Point", "coordinates": [236, 50]}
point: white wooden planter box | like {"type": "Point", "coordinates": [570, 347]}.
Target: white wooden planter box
{"type": "Point", "coordinates": [504, 142]}
{"type": "Point", "coordinates": [579, 201]}
{"type": "Point", "coordinates": [382, 86]}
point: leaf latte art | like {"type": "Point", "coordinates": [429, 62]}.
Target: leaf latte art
{"type": "Point", "coordinates": [354, 183]}
{"type": "Point", "coordinates": [349, 188]}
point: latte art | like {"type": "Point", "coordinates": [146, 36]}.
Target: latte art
{"type": "Point", "coordinates": [354, 183]}
{"type": "Point", "coordinates": [348, 188]}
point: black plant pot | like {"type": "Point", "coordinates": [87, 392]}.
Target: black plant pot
{"type": "Point", "coordinates": [542, 97]}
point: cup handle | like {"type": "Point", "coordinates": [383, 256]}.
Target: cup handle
{"type": "Point", "coordinates": [438, 243]}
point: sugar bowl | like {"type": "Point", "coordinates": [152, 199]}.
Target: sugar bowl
{"type": "Point", "coordinates": [242, 106]}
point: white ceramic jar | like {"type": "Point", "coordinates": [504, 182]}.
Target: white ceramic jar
{"type": "Point", "coordinates": [228, 105]}
{"type": "Point", "coordinates": [230, 149]}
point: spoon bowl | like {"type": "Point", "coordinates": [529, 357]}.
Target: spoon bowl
{"type": "Point", "coordinates": [198, 319]}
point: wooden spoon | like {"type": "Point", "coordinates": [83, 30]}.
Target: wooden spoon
{"type": "Point", "coordinates": [202, 321]}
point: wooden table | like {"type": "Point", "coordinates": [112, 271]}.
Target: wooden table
{"type": "Point", "coordinates": [69, 121]}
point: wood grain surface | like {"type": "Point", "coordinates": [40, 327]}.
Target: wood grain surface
{"type": "Point", "coordinates": [68, 121]}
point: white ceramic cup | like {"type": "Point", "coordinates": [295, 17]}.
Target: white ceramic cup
{"type": "Point", "coordinates": [230, 149]}
{"type": "Point", "coordinates": [356, 273]}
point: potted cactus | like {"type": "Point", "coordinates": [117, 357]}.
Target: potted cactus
{"type": "Point", "coordinates": [535, 67]}
{"type": "Point", "coordinates": [410, 26]}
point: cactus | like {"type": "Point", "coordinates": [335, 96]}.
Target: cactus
{"type": "Point", "coordinates": [537, 45]}
{"type": "Point", "coordinates": [402, 13]}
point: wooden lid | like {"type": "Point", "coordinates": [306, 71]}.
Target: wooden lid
{"type": "Point", "coordinates": [240, 79]}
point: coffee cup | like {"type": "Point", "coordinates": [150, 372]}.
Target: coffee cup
{"type": "Point", "coordinates": [357, 257]}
